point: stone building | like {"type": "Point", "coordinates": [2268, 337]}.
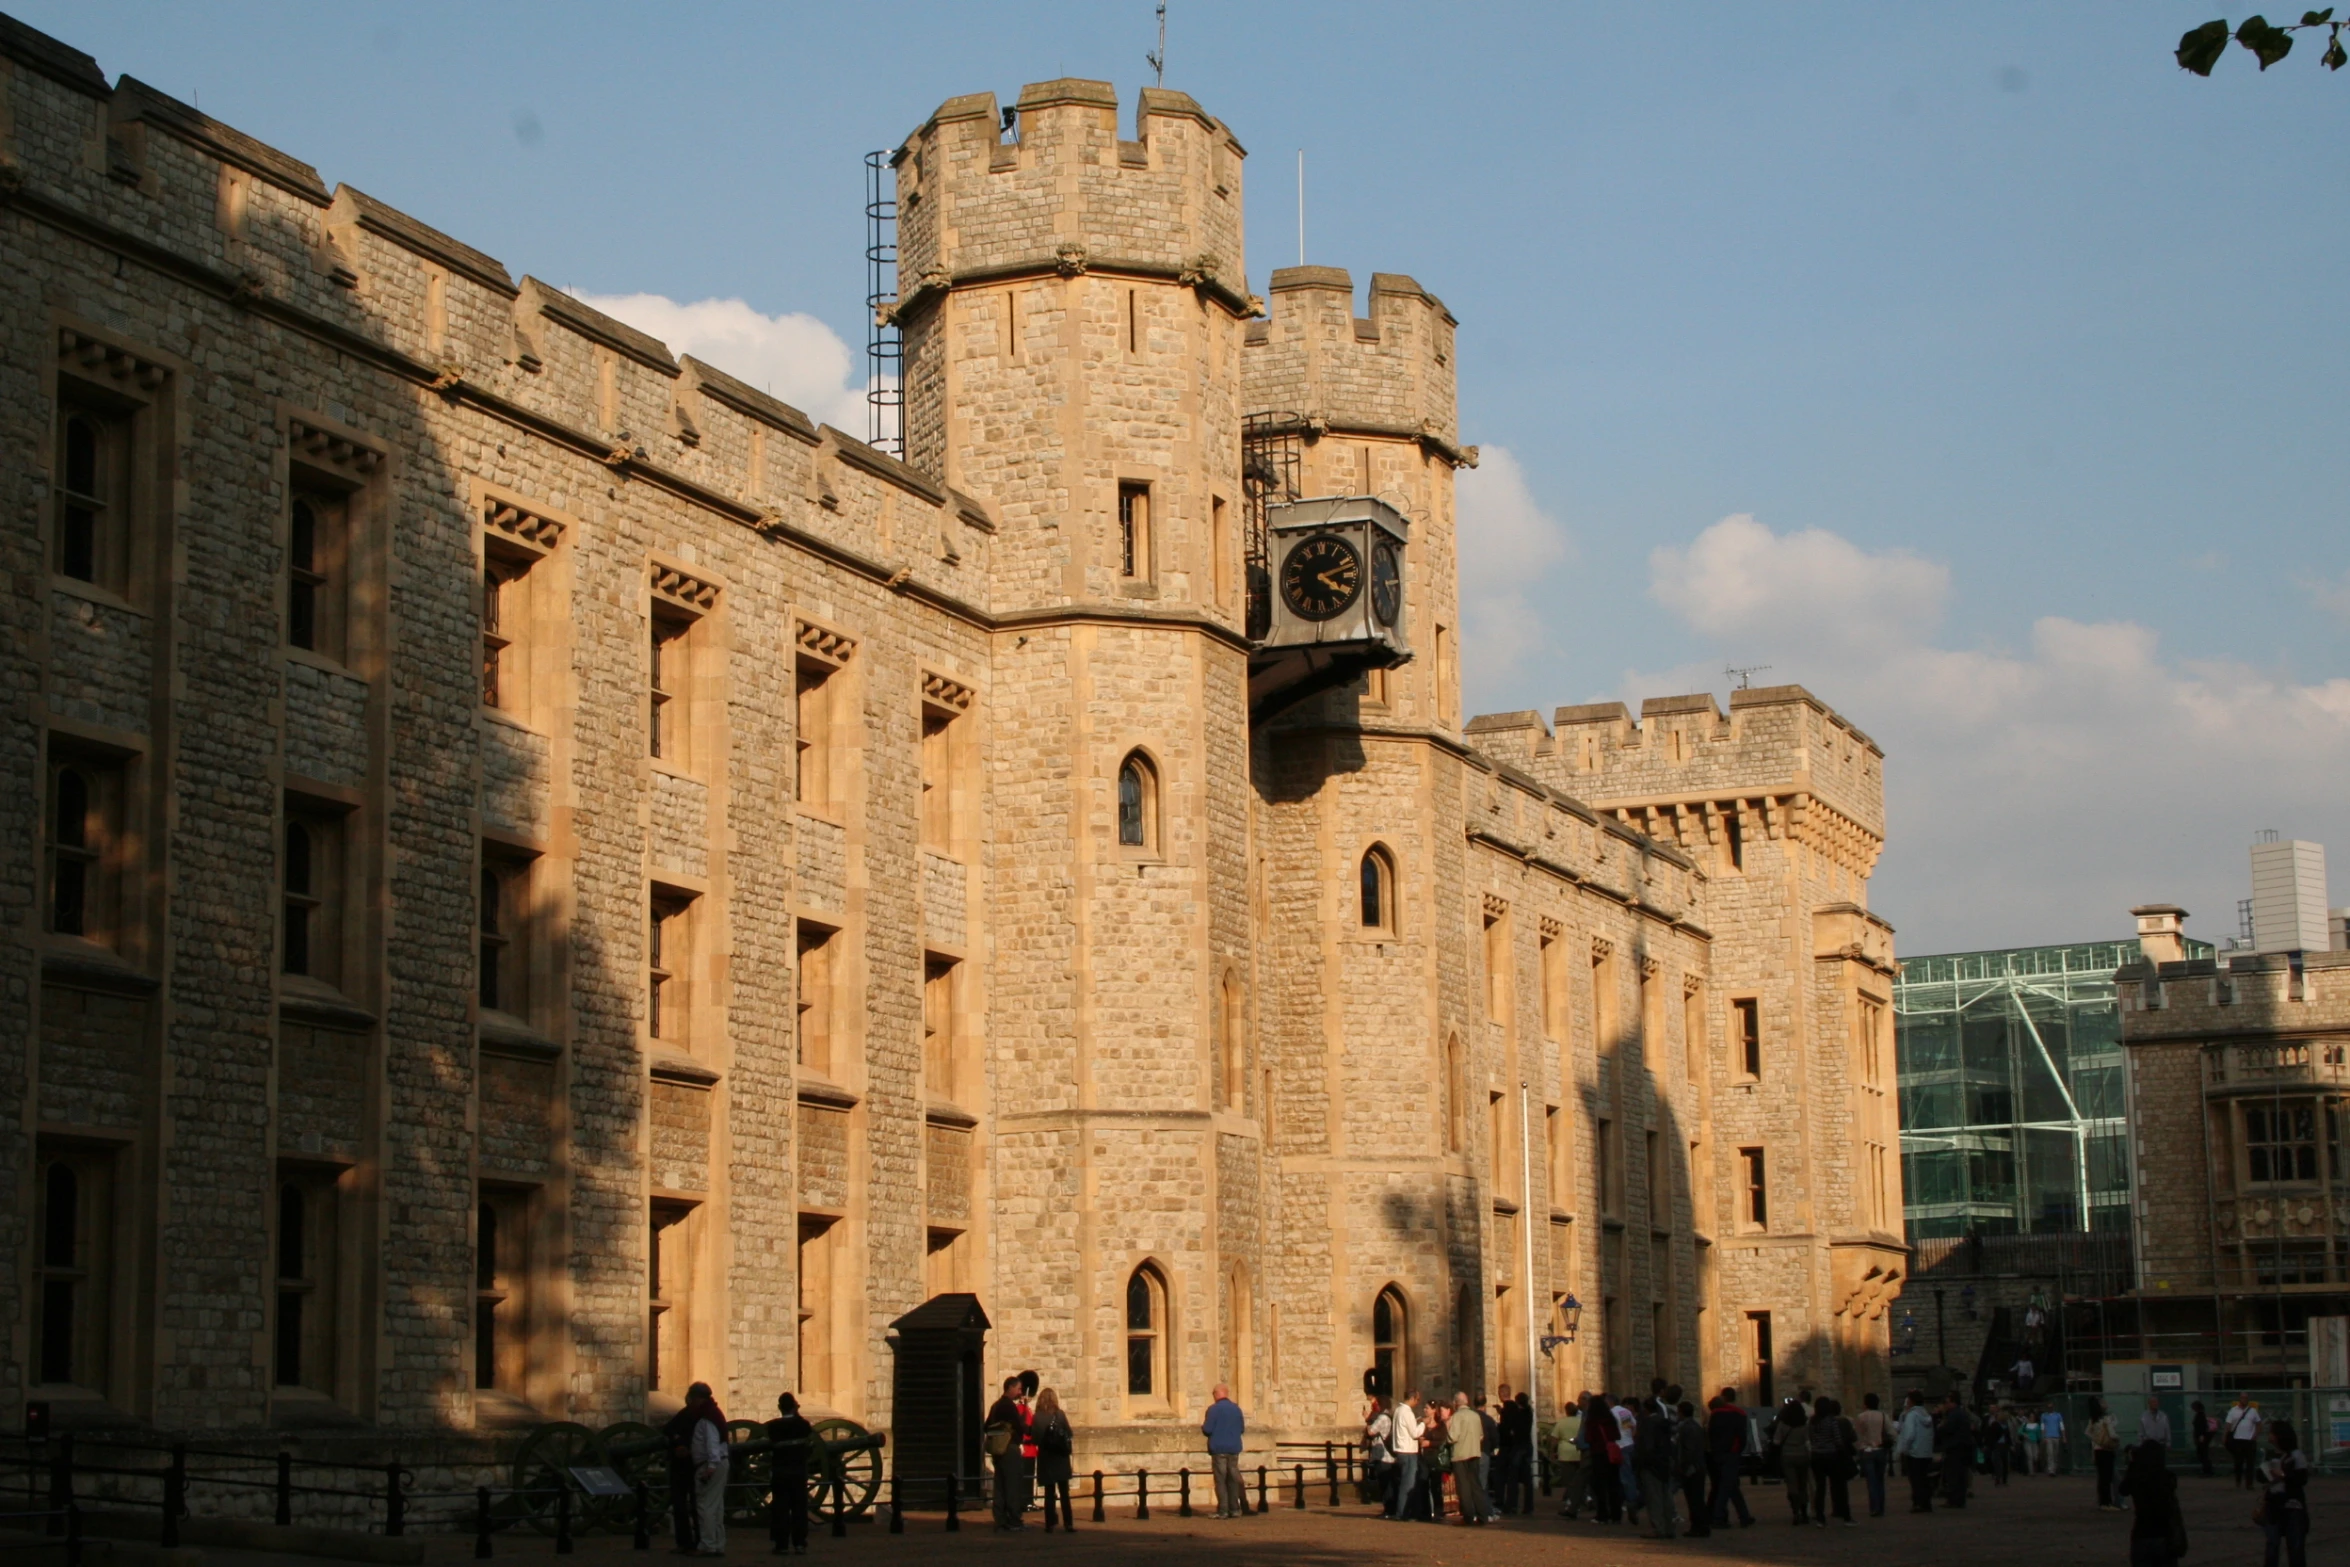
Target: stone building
{"type": "Point", "coordinates": [538, 874]}
{"type": "Point", "coordinates": [2239, 1112]}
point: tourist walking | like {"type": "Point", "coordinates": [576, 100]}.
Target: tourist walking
{"type": "Point", "coordinates": [1691, 1461]}
{"type": "Point", "coordinates": [1486, 1452]}
{"type": "Point", "coordinates": [1467, 1432]}
{"type": "Point", "coordinates": [709, 1451]}
{"type": "Point", "coordinates": [1954, 1438]}
{"type": "Point", "coordinates": [2154, 1425]}
{"type": "Point", "coordinates": [1627, 1483]}
{"type": "Point", "coordinates": [1791, 1435]}
{"type": "Point", "coordinates": [2204, 1431]}
{"type": "Point", "coordinates": [2028, 1433]}
{"type": "Point", "coordinates": [1832, 1439]}
{"type": "Point", "coordinates": [2052, 1441]}
{"type": "Point", "coordinates": [1438, 1469]}
{"type": "Point", "coordinates": [1725, 1445]}
{"type": "Point", "coordinates": [1652, 1462]}
{"type": "Point", "coordinates": [1005, 1433]}
{"type": "Point", "coordinates": [1055, 1441]}
{"type": "Point", "coordinates": [2157, 1528]}
{"type": "Point", "coordinates": [1999, 1442]}
{"type": "Point", "coordinates": [1517, 1454]}
{"type": "Point", "coordinates": [2105, 1451]}
{"type": "Point", "coordinates": [788, 1437]}
{"type": "Point", "coordinates": [1566, 1437]}
{"type": "Point", "coordinates": [1872, 1444]}
{"type": "Point", "coordinates": [1605, 1459]}
{"type": "Point", "coordinates": [2284, 1504]}
{"type": "Point", "coordinates": [1225, 1427]}
{"type": "Point", "coordinates": [1407, 1432]}
{"type": "Point", "coordinates": [684, 1516]}
{"type": "Point", "coordinates": [1914, 1443]}
{"type": "Point", "coordinates": [2240, 1427]}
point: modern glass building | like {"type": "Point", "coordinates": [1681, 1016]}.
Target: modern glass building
{"type": "Point", "coordinates": [2011, 1090]}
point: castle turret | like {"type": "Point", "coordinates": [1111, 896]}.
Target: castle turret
{"type": "Point", "coordinates": [1072, 327]}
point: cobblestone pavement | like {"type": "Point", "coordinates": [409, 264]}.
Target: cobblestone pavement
{"type": "Point", "coordinates": [2054, 1519]}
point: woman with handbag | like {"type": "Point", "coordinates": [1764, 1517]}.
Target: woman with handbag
{"type": "Point", "coordinates": [2158, 1531]}
{"type": "Point", "coordinates": [1055, 1441]}
{"type": "Point", "coordinates": [2284, 1506]}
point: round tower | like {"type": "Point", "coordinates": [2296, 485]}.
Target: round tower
{"type": "Point", "coordinates": [1072, 313]}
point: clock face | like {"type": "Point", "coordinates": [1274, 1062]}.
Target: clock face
{"type": "Point", "coordinates": [1386, 583]}
{"type": "Point", "coordinates": [1322, 577]}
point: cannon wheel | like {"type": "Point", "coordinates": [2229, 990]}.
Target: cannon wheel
{"type": "Point", "coordinates": [748, 1475]}
{"type": "Point", "coordinates": [544, 1466]}
{"type": "Point", "coordinates": [860, 1472]}
{"type": "Point", "coordinates": [650, 1468]}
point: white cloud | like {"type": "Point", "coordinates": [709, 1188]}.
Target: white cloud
{"type": "Point", "coordinates": [1506, 541]}
{"type": "Point", "coordinates": [2032, 794]}
{"type": "Point", "coordinates": [795, 357]}
{"type": "Point", "coordinates": [2332, 595]}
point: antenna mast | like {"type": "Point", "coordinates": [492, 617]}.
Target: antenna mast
{"type": "Point", "coordinates": [1158, 56]}
{"type": "Point", "coordinates": [1742, 678]}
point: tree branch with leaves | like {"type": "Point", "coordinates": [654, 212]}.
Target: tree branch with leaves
{"type": "Point", "coordinates": [2200, 48]}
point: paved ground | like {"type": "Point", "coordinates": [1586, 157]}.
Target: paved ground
{"type": "Point", "coordinates": [2054, 1519]}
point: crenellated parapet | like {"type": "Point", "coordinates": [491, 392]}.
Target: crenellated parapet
{"type": "Point", "coordinates": [1387, 375]}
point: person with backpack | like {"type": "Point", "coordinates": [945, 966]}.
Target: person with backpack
{"type": "Point", "coordinates": [2284, 1504]}
{"type": "Point", "coordinates": [1690, 1458]}
{"type": "Point", "coordinates": [1653, 1454]}
{"type": "Point", "coordinates": [2241, 1428]}
{"type": "Point", "coordinates": [2158, 1531]}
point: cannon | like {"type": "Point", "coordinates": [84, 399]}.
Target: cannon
{"type": "Point", "coordinates": [844, 1469]}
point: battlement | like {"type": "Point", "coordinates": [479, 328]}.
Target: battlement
{"type": "Point", "coordinates": [249, 223]}
{"type": "Point", "coordinates": [1389, 373]}
{"type": "Point", "coordinates": [1051, 188]}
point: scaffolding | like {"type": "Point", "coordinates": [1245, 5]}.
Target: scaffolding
{"type": "Point", "coordinates": [2012, 1117]}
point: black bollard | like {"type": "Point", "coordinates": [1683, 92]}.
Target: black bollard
{"type": "Point", "coordinates": [61, 1483]}
{"type": "Point", "coordinates": [175, 1495]}
{"type": "Point", "coordinates": [1263, 1506]}
{"type": "Point", "coordinates": [897, 1511]}
{"type": "Point", "coordinates": [840, 1507]}
{"type": "Point", "coordinates": [395, 1504]}
{"type": "Point", "coordinates": [481, 1523]}
{"type": "Point", "coordinates": [285, 1487]}
{"type": "Point", "coordinates": [1142, 1494]}
{"type": "Point", "coordinates": [562, 1519]}
{"type": "Point", "coordinates": [643, 1539]}
{"type": "Point", "coordinates": [1330, 1462]}
{"type": "Point", "coordinates": [1183, 1493]}
{"type": "Point", "coordinates": [73, 1536]}
{"type": "Point", "coordinates": [1301, 1487]}
{"type": "Point", "coordinates": [1098, 1515]}
{"type": "Point", "coordinates": [954, 1519]}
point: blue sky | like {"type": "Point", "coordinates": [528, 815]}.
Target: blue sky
{"type": "Point", "coordinates": [2014, 342]}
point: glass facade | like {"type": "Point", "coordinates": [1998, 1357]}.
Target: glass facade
{"type": "Point", "coordinates": [2011, 1091]}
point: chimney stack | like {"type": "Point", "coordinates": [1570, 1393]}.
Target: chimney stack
{"type": "Point", "coordinates": [2162, 932]}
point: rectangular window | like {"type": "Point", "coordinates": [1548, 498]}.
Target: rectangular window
{"type": "Point", "coordinates": [669, 1288]}
{"type": "Point", "coordinates": [1660, 1200]}
{"type": "Point", "coordinates": [938, 1027]}
{"type": "Point", "coordinates": [1734, 837]}
{"type": "Point", "coordinates": [945, 759]}
{"type": "Point", "coordinates": [1610, 1195]}
{"type": "Point", "coordinates": [818, 1245]}
{"type": "Point", "coordinates": [317, 572]}
{"type": "Point", "coordinates": [1652, 1017]}
{"type": "Point", "coordinates": [1497, 1139]}
{"type": "Point", "coordinates": [1554, 986]}
{"type": "Point", "coordinates": [74, 1325]}
{"type": "Point", "coordinates": [1134, 531]}
{"type": "Point", "coordinates": [1746, 1026]}
{"type": "Point", "coordinates": [668, 966]}
{"type": "Point", "coordinates": [1554, 1148]}
{"type": "Point", "coordinates": [93, 492]}
{"type": "Point", "coordinates": [1869, 1029]}
{"type": "Point", "coordinates": [1693, 1032]}
{"type": "Point", "coordinates": [667, 668]}
{"type": "Point", "coordinates": [2280, 1141]}
{"type": "Point", "coordinates": [308, 1254]}
{"type": "Point", "coordinates": [502, 1266]}
{"type": "Point", "coordinates": [520, 672]}
{"type": "Point", "coordinates": [1444, 675]}
{"type": "Point", "coordinates": [1759, 1367]}
{"type": "Point", "coordinates": [1497, 967]}
{"type": "Point", "coordinates": [82, 848]}
{"type": "Point", "coordinates": [503, 909]}
{"type": "Point", "coordinates": [1603, 1003]}
{"type": "Point", "coordinates": [1757, 1196]}
{"type": "Point", "coordinates": [814, 1001]}
{"type": "Point", "coordinates": [821, 718]}
{"type": "Point", "coordinates": [311, 929]}
{"type": "Point", "coordinates": [1224, 567]}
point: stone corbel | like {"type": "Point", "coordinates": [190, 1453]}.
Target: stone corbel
{"type": "Point", "coordinates": [337, 252]}
{"type": "Point", "coordinates": [1070, 259]}
{"type": "Point", "coordinates": [685, 401]}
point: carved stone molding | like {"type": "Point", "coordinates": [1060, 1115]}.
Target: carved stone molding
{"type": "Point", "coordinates": [93, 357]}
{"type": "Point", "coordinates": [833, 647]}
{"type": "Point", "coordinates": [683, 587]}
{"type": "Point", "coordinates": [945, 691]}
{"type": "Point", "coordinates": [331, 449]}
{"type": "Point", "coordinates": [522, 525]}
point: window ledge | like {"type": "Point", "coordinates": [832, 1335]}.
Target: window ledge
{"type": "Point", "coordinates": [1561, 1216]}
{"type": "Point", "coordinates": [816, 1089]}
{"type": "Point", "coordinates": [505, 720]}
{"type": "Point", "coordinates": [322, 663]}
{"type": "Point", "coordinates": [504, 1034]}
{"type": "Point", "coordinates": [91, 967]}
{"type": "Point", "coordinates": [943, 1112]}
{"type": "Point", "coordinates": [77, 588]}
{"type": "Point", "coordinates": [1506, 1205]}
{"type": "Point", "coordinates": [670, 1067]}
{"type": "Point", "coordinates": [308, 1000]}
{"type": "Point", "coordinates": [821, 813]}
{"type": "Point", "coordinates": [671, 769]}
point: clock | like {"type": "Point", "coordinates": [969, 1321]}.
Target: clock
{"type": "Point", "coordinates": [1386, 583]}
{"type": "Point", "coordinates": [1322, 577]}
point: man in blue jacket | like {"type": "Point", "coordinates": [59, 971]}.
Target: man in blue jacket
{"type": "Point", "coordinates": [1224, 1427]}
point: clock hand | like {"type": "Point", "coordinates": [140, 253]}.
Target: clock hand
{"type": "Point", "coordinates": [1324, 579]}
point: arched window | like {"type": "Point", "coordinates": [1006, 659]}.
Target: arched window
{"type": "Point", "coordinates": [1390, 1342]}
{"type": "Point", "coordinates": [1146, 1335]}
{"type": "Point", "coordinates": [1378, 889]}
{"type": "Point", "coordinates": [1231, 1044]}
{"type": "Point", "coordinates": [1456, 1096]}
{"type": "Point", "coordinates": [1138, 802]}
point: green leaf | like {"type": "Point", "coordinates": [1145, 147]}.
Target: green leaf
{"type": "Point", "coordinates": [2317, 18]}
{"type": "Point", "coordinates": [2334, 58]}
{"type": "Point", "coordinates": [2268, 44]}
{"type": "Point", "coordinates": [2200, 48]}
